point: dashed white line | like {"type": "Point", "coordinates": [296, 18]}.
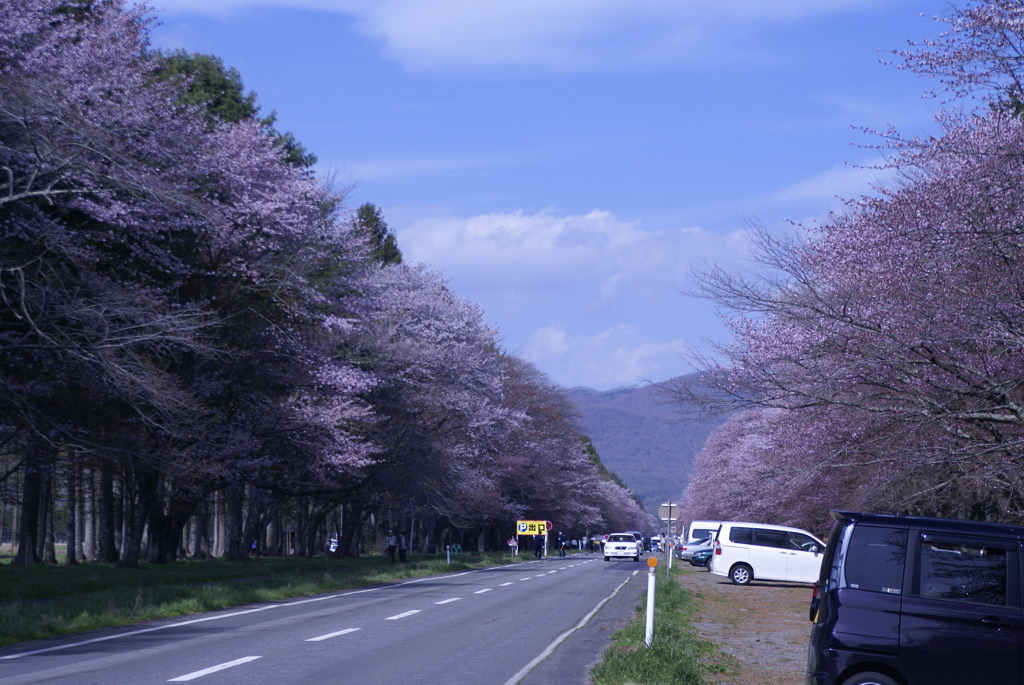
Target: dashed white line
{"type": "Point", "coordinates": [328, 636]}
{"type": "Point", "coordinates": [213, 669]}
{"type": "Point", "coordinates": [480, 592]}
{"type": "Point", "coordinates": [448, 601]}
{"type": "Point", "coordinates": [507, 584]}
{"type": "Point", "coordinates": [403, 615]}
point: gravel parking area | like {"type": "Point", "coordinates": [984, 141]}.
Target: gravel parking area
{"type": "Point", "coordinates": [763, 626]}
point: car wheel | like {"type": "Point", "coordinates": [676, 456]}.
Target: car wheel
{"type": "Point", "coordinates": [636, 558]}
{"type": "Point", "coordinates": [870, 679]}
{"type": "Point", "coordinates": [741, 574]}
{"type": "Point", "coordinates": [606, 558]}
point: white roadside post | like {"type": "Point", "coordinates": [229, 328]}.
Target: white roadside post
{"type": "Point", "coordinates": [652, 563]}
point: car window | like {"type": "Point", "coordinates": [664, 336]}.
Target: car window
{"type": "Point", "coordinates": [622, 538]}
{"type": "Point", "coordinates": [802, 542]}
{"type": "Point", "coordinates": [771, 538]}
{"type": "Point", "coordinates": [875, 558]}
{"type": "Point", "coordinates": [961, 570]}
{"type": "Point", "coordinates": [742, 535]}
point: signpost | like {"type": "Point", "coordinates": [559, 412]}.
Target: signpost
{"type": "Point", "coordinates": [666, 514]}
{"type": "Point", "coordinates": [535, 528]}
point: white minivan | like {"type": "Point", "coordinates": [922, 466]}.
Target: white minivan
{"type": "Point", "coordinates": [760, 551]}
{"type": "Point", "coordinates": [700, 530]}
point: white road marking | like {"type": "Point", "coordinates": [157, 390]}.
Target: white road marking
{"type": "Point", "coordinates": [507, 584]}
{"type": "Point", "coordinates": [480, 592]}
{"type": "Point", "coordinates": [448, 601]}
{"type": "Point", "coordinates": [518, 677]}
{"type": "Point", "coordinates": [214, 669]}
{"type": "Point", "coordinates": [398, 616]}
{"type": "Point", "coordinates": [328, 636]}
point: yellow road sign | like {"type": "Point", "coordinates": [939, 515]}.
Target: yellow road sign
{"type": "Point", "coordinates": [531, 527]}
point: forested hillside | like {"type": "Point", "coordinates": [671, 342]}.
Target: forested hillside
{"type": "Point", "coordinates": [644, 438]}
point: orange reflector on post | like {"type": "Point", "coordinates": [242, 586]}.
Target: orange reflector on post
{"type": "Point", "coordinates": [652, 562]}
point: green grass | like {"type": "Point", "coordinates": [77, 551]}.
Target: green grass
{"type": "Point", "coordinates": [677, 655]}
{"type": "Point", "coordinates": [46, 601]}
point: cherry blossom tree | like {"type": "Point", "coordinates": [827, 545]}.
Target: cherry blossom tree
{"type": "Point", "coordinates": [891, 335]}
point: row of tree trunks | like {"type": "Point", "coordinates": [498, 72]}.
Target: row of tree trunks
{"type": "Point", "coordinates": [112, 518]}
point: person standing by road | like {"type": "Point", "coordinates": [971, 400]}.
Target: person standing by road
{"type": "Point", "coordinates": [513, 545]}
{"type": "Point", "coordinates": [563, 542]}
{"type": "Point", "coordinates": [391, 543]}
{"type": "Point", "coordinates": [538, 546]}
{"type": "Point", "coordinates": [403, 546]}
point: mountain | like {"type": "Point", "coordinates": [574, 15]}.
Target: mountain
{"type": "Point", "coordinates": [645, 437]}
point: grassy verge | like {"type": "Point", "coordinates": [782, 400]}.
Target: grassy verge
{"type": "Point", "coordinates": [677, 655]}
{"type": "Point", "coordinates": [46, 601]}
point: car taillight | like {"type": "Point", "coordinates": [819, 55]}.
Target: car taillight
{"type": "Point", "coordinates": [718, 547]}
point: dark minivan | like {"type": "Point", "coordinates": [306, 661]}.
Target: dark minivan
{"type": "Point", "coordinates": [912, 600]}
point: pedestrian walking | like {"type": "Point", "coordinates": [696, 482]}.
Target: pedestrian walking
{"type": "Point", "coordinates": [538, 546]}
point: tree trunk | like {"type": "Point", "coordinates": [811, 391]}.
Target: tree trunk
{"type": "Point", "coordinates": [201, 531]}
{"type": "Point", "coordinates": [72, 515]}
{"type": "Point", "coordinates": [30, 503]}
{"type": "Point", "coordinates": [88, 497]}
{"type": "Point", "coordinates": [106, 549]}
{"type": "Point", "coordinates": [234, 550]}
{"type": "Point", "coordinates": [131, 547]}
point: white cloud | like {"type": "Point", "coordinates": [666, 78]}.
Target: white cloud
{"type": "Point", "coordinates": [593, 299]}
{"type": "Point", "coordinates": [846, 182]}
{"type": "Point", "coordinates": [557, 35]}
{"type": "Point", "coordinates": [596, 253]}
{"type": "Point", "coordinates": [618, 356]}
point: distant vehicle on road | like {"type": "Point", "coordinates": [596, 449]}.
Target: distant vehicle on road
{"type": "Point", "coordinates": [622, 545]}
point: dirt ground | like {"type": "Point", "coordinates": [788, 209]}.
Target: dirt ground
{"type": "Point", "coordinates": [763, 625]}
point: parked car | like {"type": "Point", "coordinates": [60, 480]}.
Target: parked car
{"type": "Point", "coordinates": [622, 545]}
{"type": "Point", "coordinates": [698, 530]}
{"type": "Point", "coordinates": [701, 557]}
{"type": "Point", "coordinates": [749, 551]}
{"type": "Point", "coordinates": [687, 550]}
{"type": "Point", "coordinates": [916, 600]}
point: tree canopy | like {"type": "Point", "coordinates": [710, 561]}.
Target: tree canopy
{"type": "Point", "coordinates": [202, 347]}
{"type": "Point", "coordinates": [878, 360]}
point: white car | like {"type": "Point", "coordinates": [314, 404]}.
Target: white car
{"type": "Point", "coordinates": [622, 545]}
{"type": "Point", "coordinates": [760, 551]}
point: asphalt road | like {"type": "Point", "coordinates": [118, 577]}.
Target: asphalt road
{"type": "Point", "coordinates": [532, 623]}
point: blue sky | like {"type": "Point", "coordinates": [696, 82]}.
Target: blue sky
{"type": "Point", "coordinates": [566, 164]}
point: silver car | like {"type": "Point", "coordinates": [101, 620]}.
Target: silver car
{"type": "Point", "coordinates": [686, 550]}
